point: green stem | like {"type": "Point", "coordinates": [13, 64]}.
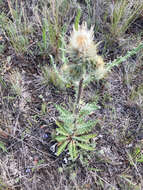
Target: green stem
{"type": "Point", "coordinates": [76, 106]}
{"type": "Point", "coordinates": [80, 89]}
{"type": "Point", "coordinates": [122, 59]}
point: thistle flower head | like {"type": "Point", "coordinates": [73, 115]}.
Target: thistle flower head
{"type": "Point", "coordinates": [82, 39]}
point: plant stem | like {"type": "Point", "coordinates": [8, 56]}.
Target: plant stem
{"type": "Point", "coordinates": [76, 106]}
{"type": "Point", "coordinates": [80, 89]}
{"type": "Point", "coordinates": [122, 59]}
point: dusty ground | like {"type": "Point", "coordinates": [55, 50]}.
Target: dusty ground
{"type": "Point", "coordinates": [30, 162]}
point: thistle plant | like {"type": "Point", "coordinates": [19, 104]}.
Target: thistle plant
{"type": "Point", "coordinates": [18, 30]}
{"type": "Point", "coordinates": [74, 130]}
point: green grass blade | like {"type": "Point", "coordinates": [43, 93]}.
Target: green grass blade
{"type": "Point", "coordinates": [52, 33]}
{"type": "Point", "coordinates": [3, 147]}
{"type": "Point", "coordinates": [77, 18]}
{"type": "Point", "coordinates": [2, 82]}
{"type": "Point", "coordinates": [44, 34]}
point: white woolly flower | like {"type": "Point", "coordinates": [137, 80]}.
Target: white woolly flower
{"type": "Point", "coordinates": [81, 39]}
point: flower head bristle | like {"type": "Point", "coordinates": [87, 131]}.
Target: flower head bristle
{"type": "Point", "coordinates": [82, 38]}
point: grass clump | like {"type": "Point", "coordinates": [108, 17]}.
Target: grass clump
{"type": "Point", "coordinates": [49, 19]}
{"type": "Point", "coordinates": [123, 14]}
{"type": "Point", "coordinates": [17, 28]}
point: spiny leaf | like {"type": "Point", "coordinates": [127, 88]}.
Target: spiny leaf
{"type": "Point", "coordinates": [121, 59]}
{"type": "Point", "coordinates": [65, 115]}
{"type": "Point", "coordinates": [85, 127]}
{"type": "Point", "coordinates": [80, 120]}
{"type": "Point", "coordinates": [72, 150]}
{"type": "Point", "coordinates": [61, 138]}
{"type": "Point", "coordinates": [65, 128]}
{"type": "Point", "coordinates": [62, 147]}
{"type": "Point", "coordinates": [85, 138]}
{"type": "Point", "coordinates": [68, 120]}
{"type": "Point", "coordinates": [62, 110]}
{"type": "Point", "coordinates": [85, 146]}
{"type": "Point", "coordinates": [62, 131]}
{"type": "Point", "coordinates": [88, 108]}
{"type": "Point", "coordinates": [59, 124]}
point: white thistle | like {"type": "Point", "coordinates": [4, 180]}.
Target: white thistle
{"type": "Point", "coordinates": [81, 39]}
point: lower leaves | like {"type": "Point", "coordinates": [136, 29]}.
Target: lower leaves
{"type": "Point", "coordinates": [72, 136]}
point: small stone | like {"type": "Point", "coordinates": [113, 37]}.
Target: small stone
{"type": "Point", "coordinates": [65, 160]}
{"type": "Point", "coordinates": [53, 148]}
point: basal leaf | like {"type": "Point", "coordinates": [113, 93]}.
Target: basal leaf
{"type": "Point", "coordinates": [61, 138]}
{"type": "Point", "coordinates": [62, 131]}
{"type": "Point", "coordinates": [66, 116]}
{"type": "Point", "coordinates": [85, 127]}
{"type": "Point", "coordinates": [85, 146]}
{"type": "Point", "coordinates": [59, 124]}
{"type": "Point", "coordinates": [65, 128]}
{"type": "Point", "coordinates": [80, 120]}
{"type": "Point", "coordinates": [80, 139]}
{"type": "Point", "coordinates": [68, 120]}
{"type": "Point", "coordinates": [62, 147]}
{"type": "Point", "coordinates": [72, 150]}
{"type": "Point", "coordinates": [88, 108]}
{"type": "Point", "coordinates": [85, 138]}
{"type": "Point", "coordinates": [62, 110]}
